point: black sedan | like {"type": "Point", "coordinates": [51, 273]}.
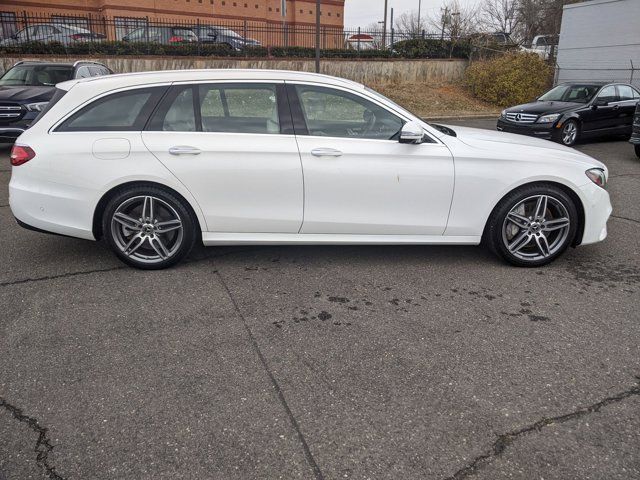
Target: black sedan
{"type": "Point", "coordinates": [573, 111]}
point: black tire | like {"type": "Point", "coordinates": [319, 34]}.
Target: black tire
{"type": "Point", "coordinates": [162, 237]}
{"type": "Point", "coordinates": [637, 148]}
{"type": "Point", "coordinates": [495, 237]}
{"type": "Point", "coordinates": [563, 136]}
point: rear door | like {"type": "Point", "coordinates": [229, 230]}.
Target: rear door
{"type": "Point", "coordinates": [232, 146]}
{"type": "Point", "coordinates": [628, 98]}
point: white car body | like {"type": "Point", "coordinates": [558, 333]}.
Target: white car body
{"type": "Point", "coordinates": [270, 189]}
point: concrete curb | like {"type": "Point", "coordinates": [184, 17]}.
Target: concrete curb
{"type": "Point", "coordinates": [479, 116]}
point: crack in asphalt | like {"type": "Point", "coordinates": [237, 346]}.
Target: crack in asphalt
{"type": "Point", "coordinates": [625, 218]}
{"type": "Point", "coordinates": [43, 445]}
{"type": "Point", "coordinates": [276, 386]}
{"type": "Point", "coordinates": [503, 441]}
{"type": "Point", "coordinates": [111, 269]}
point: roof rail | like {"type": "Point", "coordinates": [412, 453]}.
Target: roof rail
{"type": "Point", "coordinates": [26, 61]}
{"type": "Point", "coordinates": [75, 64]}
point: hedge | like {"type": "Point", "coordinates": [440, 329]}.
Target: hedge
{"type": "Point", "coordinates": [407, 49]}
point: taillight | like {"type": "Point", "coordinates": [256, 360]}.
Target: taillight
{"type": "Point", "coordinates": [77, 36]}
{"type": "Point", "coordinates": [176, 39]}
{"type": "Point", "coordinates": [21, 154]}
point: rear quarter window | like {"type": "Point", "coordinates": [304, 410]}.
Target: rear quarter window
{"type": "Point", "coordinates": [121, 111]}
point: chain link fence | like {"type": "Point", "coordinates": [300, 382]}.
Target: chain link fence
{"type": "Point", "coordinates": [624, 71]}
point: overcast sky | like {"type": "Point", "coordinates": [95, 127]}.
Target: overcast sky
{"type": "Point", "coordinates": [360, 13]}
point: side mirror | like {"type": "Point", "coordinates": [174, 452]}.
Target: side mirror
{"type": "Point", "coordinates": [412, 132]}
{"type": "Point", "coordinates": [600, 102]}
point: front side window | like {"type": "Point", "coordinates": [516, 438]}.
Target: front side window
{"type": "Point", "coordinates": [608, 94]}
{"type": "Point", "coordinates": [228, 108]}
{"type": "Point", "coordinates": [335, 113]}
{"type": "Point", "coordinates": [122, 111]}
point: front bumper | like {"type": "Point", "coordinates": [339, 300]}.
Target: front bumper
{"type": "Point", "coordinates": [10, 131]}
{"type": "Point", "coordinates": [539, 130]}
{"type": "Point", "coordinates": [597, 210]}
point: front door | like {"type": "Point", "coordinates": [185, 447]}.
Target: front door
{"type": "Point", "coordinates": [227, 144]}
{"type": "Point", "coordinates": [358, 178]}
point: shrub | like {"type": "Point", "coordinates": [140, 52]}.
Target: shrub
{"type": "Point", "coordinates": [510, 79]}
{"type": "Point", "coordinates": [431, 48]}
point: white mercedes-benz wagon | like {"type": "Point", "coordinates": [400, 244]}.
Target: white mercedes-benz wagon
{"type": "Point", "coordinates": [154, 162]}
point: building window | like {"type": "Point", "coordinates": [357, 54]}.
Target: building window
{"type": "Point", "coordinates": [328, 14]}
{"type": "Point", "coordinates": [245, 5]}
{"type": "Point", "coordinates": [310, 12]}
{"type": "Point", "coordinates": [7, 24]}
{"type": "Point", "coordinates": [338, 15]}
{"type": "Point", "coordinates": [277, 9]}
{"type": "Point", "coordinates": [270, 9]}
{"type": "Point", "coordinates": [257, 6]}
{"type": "Point", "coordinates": [125, 25]}
{"type": "Point", "coordinates": [81, 22]}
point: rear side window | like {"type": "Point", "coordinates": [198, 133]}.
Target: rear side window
{"type": "Point", "coordinates": [229, 108]}
{"type": "Point", "coordinates": [627, 93]}
{"type": "Point", "coordinates": [122, 111]}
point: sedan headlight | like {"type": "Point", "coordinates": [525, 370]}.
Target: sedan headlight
{"type": "Point", "coordinates": [36, 107]}
{"type": "Point", "coordinates": [597, 176]}
{"type": "Point", "coordinates": [503, 113]}
{"type": "Point", "coordinates": [549, 118]}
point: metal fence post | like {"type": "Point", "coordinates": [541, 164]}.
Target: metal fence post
{"type": "Point", "coordinates": [146, 33]}
{"type": "Point", "coordinates": [244, 35]}
{"type": "Point", "coordinates": [26, 23]}
{"type": "Point", "coordinates": [632, 71]}
{"type": "Point", "coordinates": [358, 41]}
{"type": "Point", "coordinates": [199, 33]}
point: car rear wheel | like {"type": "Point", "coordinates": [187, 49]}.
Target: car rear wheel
{"type": "Point", "coordinates": [532, 226]}
{"type": "Point", "coordinates": [148, 227]}
{"type": "Point", "coordinates": [569, 133]}
{"type": "Point", "coordinates": [637, 151]}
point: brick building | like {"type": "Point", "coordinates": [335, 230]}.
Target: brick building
{"type": "Point", "coordinates": [261, 19]}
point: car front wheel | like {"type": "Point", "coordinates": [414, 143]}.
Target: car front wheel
{"type": "Point", "coordinates": [532, 226]}
{"type": "Point", "coordinates": [148, 227]}
{"type": "Point", "coordinates": [569, 133]}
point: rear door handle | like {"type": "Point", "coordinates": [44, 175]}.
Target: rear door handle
{"type": "Point", "coordinates": [616, 107]}
{"type": "Point", "coordinates": [326, 152]}
{"type": "Point", "coordinates": [184, 150]}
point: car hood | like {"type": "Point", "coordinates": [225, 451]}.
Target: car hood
{"type": "Point", "coordinates": [26, 94]}
{"type": "Point", "coordinates": [490, 140]}
{"type": "Point", "coordinates": [539, 108]}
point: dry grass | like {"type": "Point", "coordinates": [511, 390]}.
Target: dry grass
{"type": "Point", "coordinates": [433, 101]}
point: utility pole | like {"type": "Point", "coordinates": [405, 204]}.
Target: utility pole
{"type": "Point", "coordinates": [419, 20]}
{"type": "Point", "coordinates": [384, 25]}
{"type": "Point", "coordinates": [445, 19]}
{"type": "Point", "coordinates": [317, 36]}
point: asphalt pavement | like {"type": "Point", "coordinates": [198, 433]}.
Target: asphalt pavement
{"type": "Point", "coordinates": [323, 362]}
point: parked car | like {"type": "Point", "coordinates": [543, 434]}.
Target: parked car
{"type": "Point", "coordinates": [162, 35]}
{"type": "Point", "coordinates": [572, 111]}
{"type": "Point", "coordinates": [52, 32]}
{"type": "Point", "coordinates": [635, 135]}
{"type": "Point", "coordinates": [27, 88]}
{"type": "Point", "coordinates": [153, 162]}
{"type": "Point", "coordinates": [542, 45]}
{"type": "Point", "coordinates": [223, 36]}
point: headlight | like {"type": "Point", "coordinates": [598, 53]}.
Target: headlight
{"type": "Point", "coordinates": [597, 176]}
{"type": "Point", "coordinates": [503, 113]}
{"type": "Point", "coordinates": [549, 118]}
{"type": "Point", "coordinates": [36, 107]}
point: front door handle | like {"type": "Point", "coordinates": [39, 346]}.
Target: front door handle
{"type": "Point", "coordinates": [326, 152]}
{"type": "Point", "coordinates": [184, 150]}
{"type": "Point", "coordinates": [616, 107]}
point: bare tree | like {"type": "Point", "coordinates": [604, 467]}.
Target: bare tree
{"type": "Point", "coordinates": [410, 25]}
{"type": "Point", "coordinates": [501, 15]}
{"type": "Point", "coordinates": [455, 22]}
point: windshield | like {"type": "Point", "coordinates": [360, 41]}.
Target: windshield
{"type": "Point", "coordinates": [36, 75]}
{"type": "Point", "coordinates": [228, 33]}
{"type": "Point", "coordinates": [570, 93]}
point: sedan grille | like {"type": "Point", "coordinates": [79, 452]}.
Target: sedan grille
{"type": "Point", "coordinates": [10, 112]}
{"type": "Point", "coordinates": [521, 117]}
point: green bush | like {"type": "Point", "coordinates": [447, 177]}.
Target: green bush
{"type": "Point", "coordinates": [431, 48]}
{"type": "Point", "coordinates": [509, 79]}
{"type": "Point", "coordinates": [417, 48]}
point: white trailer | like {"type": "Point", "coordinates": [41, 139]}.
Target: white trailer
{"type": "Point", "coordinates": [600, 41]}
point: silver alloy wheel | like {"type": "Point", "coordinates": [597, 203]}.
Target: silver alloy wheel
{"type": "Point", "coordinates": [536, 227]}
{"type": "Point", "coordinates": [147, 229]}
{"type": "Point", "coordinates": [569, 133]}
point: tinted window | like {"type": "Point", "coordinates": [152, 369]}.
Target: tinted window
{"type": "Point", "coordinates": [570, 93]}
{"type": "Point", "coordinates": [627, 93]}
{"type": "Point", "coordinates": [232, 108]}
{"type": "Point", "coordinates": [123, 111]}
{"type": "Point", "coordinates": [36, 75]}
{"type": "Point", "coordinates": [335, 113]}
